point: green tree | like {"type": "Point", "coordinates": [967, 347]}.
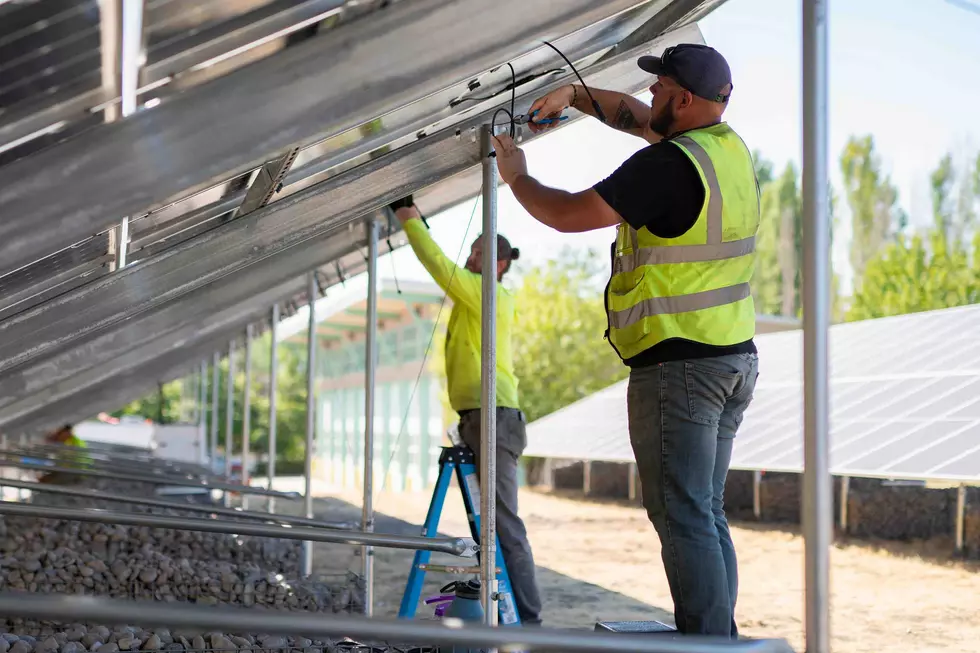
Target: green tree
{"type": "Point", "coordinates": [968, 202]}
{"type": "Point", "coordinates": [917, 273]}
{"type": "Point", "coordinates": [559, 350]}
{"type": "Point", "coordinates": [941, 183]}
{"type": "Point", "coordinates": [777, 280]}
{"type": "Point", "coordinates": [872, 199]}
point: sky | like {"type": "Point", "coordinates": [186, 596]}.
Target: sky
{"type": "Point", "coordinates": [904, 72]}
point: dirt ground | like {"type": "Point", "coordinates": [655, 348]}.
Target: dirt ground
{"type": "Point", "coordinates": [601, 560]}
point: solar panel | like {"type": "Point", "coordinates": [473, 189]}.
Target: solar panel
{"type": "Point", "coordinates": [905, 403]}
{"type": "Point", "coordinates": [187, 192]}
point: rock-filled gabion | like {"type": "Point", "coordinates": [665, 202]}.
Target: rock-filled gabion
{"type": "Point", "coordinates": [129, 562]}
{"type": "Point", "coordinates": [80, 638]}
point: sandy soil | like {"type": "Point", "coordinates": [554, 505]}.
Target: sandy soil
{"type": "Point", "coordinates": [602, 561]}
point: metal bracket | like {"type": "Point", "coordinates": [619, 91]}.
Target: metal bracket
{"type": "Point", "coordinates": [267, 182]}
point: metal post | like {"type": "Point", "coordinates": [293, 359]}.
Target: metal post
{"type": "Point", "coordinates": [631, 483]}
{"type": "Point", "coordinates": [246, 411]}
{"type": "Point", "coordinates": [845, 491]}
{"type": "Point", "coordinates": [960, 518]}
{"type": "Point", "coordinates": [213, 453]}
{"type": "Point", "coordinates": [202, 415]}
{"type": "Point", "coordinates": [488, 382]}
{"type": "Point", "coordinates": [818, 498]}
{"type": "Point", "coordinates": [310, 420]}
{"type": "Point", "coordinates": [757, 494]}
{"type": "Point", "coordinates": [229, 416]}
{"type": "Point", "coordinates": [110, 31]}
{"type": "Point", "coordinates": [370, 366]}
{"type": "Point", "coordinates": [273, 392]}
{"type": "Point", "coordinates": [132, 61]}
{"type": "Point", "coordinates": [587, 477]}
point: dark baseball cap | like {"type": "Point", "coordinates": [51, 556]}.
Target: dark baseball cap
{"type": "Point", "coordinates": [698, 68]}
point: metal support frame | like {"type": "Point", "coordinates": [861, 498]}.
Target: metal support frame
{"type": "Point", "coordinates": [311, 339]}
{"type": "Point", "coordinates": [370, 368]}
{"type": "Point", "coordinates": [107, 187]}
{"type": "Point", "coordinates": [215, 369]}
{"type": "Point", "coordinates": [229, 416]}
{"type": "Point", "coordinates": [202, 415]}
{"type": "Point", "coordinates": [132, 54]}
{"type": "Point", "coordinates": [757, 494]}
{"type": "Point", "coordinates": [586, 477]}
{"type": "Point", "coordinates": [273, 397]}
{"type": "Point", "coordinates": [457, 546]}
{"type": "Point", "coordinates": [97, 495]}
{"type": "Point", "coordinates": [90, 461]}
{"type": "Point", "coordinates": [145, 478]}
{"type": "Point", "coordinates": [277, 243]}
{"type": "Point", "coordinates": [960, 535]}
{"type": "Point", "coordinates": [818, 498]}
{"type": "Point", "coordinates": [246, 411]}
{"type": "Point", "coordinates": [488, 383]}
{"type": "Point", "coordinates": [439, 632]}
{"type": "Point", "coordinates": [172, 332]}
{"type": "Point", "coordinates": [268, 181]}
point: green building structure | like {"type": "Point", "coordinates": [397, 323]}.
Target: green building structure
{"type": "Point", "coordinates": [410, 416]}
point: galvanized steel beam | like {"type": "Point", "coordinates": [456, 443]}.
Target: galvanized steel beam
{"type": "Point", "coordinates": [276, 243]}
{"type": "Point", "coordinates": [66, 193]}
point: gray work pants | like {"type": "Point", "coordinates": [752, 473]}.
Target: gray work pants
{"type": "Point", "coordinates": [683, 417]}
{"type": "Point", "coordinates": [511, 441]}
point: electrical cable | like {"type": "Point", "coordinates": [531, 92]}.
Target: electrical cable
{"type": "Point", "coordinates": [595, 105]}
{"type": "Point", "coordinates": [513, 104]}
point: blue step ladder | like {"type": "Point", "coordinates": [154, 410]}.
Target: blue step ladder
{"type": "Point", "coordinates": [461, 461]}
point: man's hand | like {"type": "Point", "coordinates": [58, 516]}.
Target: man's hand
{"type": "Point", "coordinates": [510, 158]}
{"type": "Point", "coordinates": [550, 106]}
{"type": "Point", "coordinates": [404, 209]}
{"type": "Point", "coordinates": [406, 213]}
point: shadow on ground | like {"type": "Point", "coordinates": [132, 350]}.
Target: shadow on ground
{"type": "Point", "coordinates": [567, 602]}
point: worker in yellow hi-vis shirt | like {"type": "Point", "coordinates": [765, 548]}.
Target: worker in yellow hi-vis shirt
{"type": "Point", "coordinates": [66, 436]}
{"type": "Point", "coordinates": [464, 287]}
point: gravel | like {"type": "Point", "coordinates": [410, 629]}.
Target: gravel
{"type": "Point", "coordinates": [128, 562]}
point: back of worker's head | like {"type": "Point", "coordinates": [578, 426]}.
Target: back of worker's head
{"type": "Point", "coordinates": [506, 254]}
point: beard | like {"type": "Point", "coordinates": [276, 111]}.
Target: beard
{"type": "Point", "coordinates": [663, 122]}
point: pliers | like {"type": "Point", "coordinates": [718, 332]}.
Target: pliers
{"type": "Point", "coordinates": [524, 118]}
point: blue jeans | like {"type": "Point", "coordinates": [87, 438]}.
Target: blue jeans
{"type": "Point", "coordinates": [683, 416]}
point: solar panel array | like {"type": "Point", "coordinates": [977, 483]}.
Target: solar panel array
{"type": "Point", "coordinates": [905, 403]}
{"type": "Point", "coordinates": [265, 133]}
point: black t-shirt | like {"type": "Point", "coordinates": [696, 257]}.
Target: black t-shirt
{"type": "Point", "coordinates": [660, 189]}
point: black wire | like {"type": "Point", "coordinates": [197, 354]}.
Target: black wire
{"type": "Point", "coordinates": [595, 105]}
{"type": "Point", "coordinates": [513, 98]}
{"type": "Point", "coordinates": [510, 114]}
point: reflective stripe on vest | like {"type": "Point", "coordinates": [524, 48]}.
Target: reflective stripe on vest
{"type": "Point", "coordinates": [699, 288]}
{"type": "Point", "coordinates": [680, 304]}
{"type": "Point", "coordinates": [715, 250]}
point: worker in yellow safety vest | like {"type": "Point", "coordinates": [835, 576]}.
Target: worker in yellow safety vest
{"type": "Point", "coordinates": [464, 286]}
{"type": "Point", "coordinates": [66, 436]}
{"type": "Point", "coordinates": [681, 316]}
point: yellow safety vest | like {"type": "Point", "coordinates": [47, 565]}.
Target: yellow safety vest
{"type": "Point", "coordinates": [695, 286]}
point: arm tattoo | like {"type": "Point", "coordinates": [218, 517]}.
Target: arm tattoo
{"type": "Point", "coordinates": [625, 119]}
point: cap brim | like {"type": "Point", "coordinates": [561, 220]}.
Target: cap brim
{"type": "Point", "coordinates": [652, 65]}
